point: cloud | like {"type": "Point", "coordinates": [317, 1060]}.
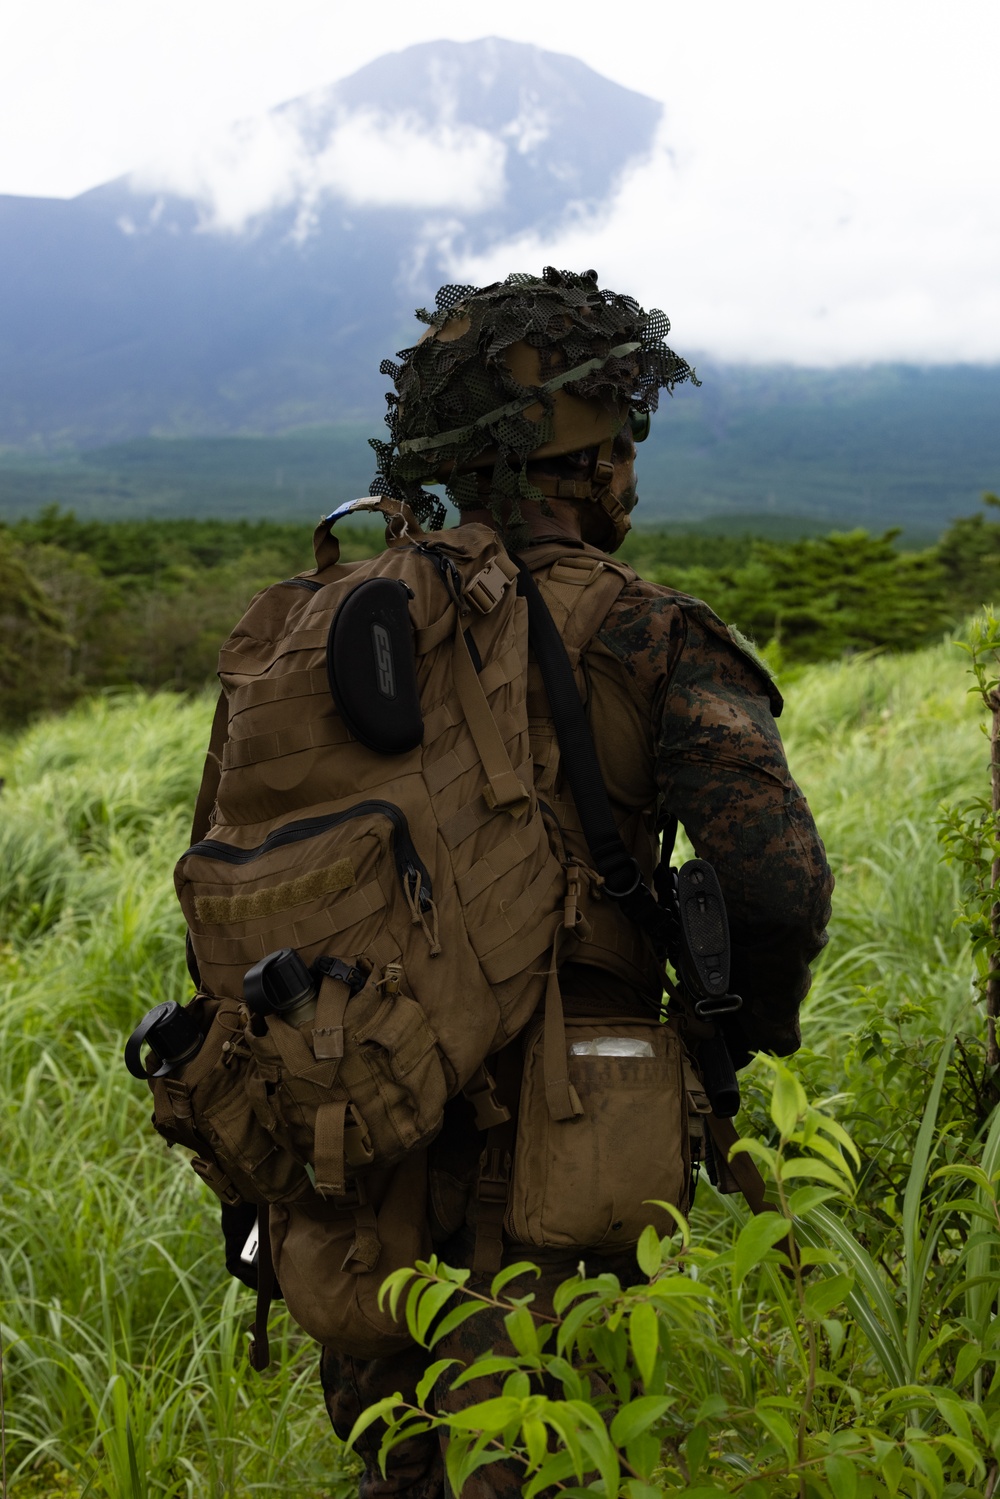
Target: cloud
{"type": "Point", "coordinates": [765, 259]}
{"type": "Point", "coordinates": [382, 160]}
{"type": "Point", "coordinates": [369, 159]}
{"type": "Point", "coordinates": [236, 175]}
{"type": "Point", "coordinates": [531, 127]}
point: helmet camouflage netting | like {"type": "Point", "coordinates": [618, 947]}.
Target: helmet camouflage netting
{"type": "Point", "coordinates": [459, 407]}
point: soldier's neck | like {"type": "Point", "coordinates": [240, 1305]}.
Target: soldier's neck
{"type": "Point", "coordinates": [562, 521]}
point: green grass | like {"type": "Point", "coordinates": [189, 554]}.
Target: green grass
{"type": "Point", "coordinates": [116, 1317]}
{"type": "Point", "coordinates": [123, 1338]}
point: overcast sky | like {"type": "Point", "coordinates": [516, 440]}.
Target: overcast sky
{"type": "Point", "coordinates": [828, 183]}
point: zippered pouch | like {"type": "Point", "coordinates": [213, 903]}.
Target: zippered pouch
{"type": "Point", "coordinates": [336, 883]}
{"type": "Point", "coordinates": [346, 883]}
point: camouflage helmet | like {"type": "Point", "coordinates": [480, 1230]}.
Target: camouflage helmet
{"type": "Point", "coordinates": [529, 368]}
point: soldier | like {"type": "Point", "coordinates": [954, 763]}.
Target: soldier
{"type": "Point", "coordinates": [525, 398]}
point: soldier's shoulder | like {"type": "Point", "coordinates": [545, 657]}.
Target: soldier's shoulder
{"type": "Point", "coordinates": [667, 609]}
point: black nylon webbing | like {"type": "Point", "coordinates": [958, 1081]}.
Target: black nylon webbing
{"type": "Point", "coordinates": [259, 1351]}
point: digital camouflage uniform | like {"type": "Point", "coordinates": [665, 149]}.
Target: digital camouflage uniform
{"type": "Point", "coordinates": [713, 760]}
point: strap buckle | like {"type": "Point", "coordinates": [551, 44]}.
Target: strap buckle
{"type": "Point", "coordinates": [487, 588]}
{"type": "Point", "coordinates": [335, 968]}
{"type": "Point", "coordinates": [494, 1175]}
{"type": "Point", "coordinates": [624, 894]}
{"type": "Point", "coordinates": [603, 474]}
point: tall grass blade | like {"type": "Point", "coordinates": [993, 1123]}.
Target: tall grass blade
{"type": "Point", "coordinates": [916, 1252]}
{"type": "Point", "coordinates": [869, 1301]}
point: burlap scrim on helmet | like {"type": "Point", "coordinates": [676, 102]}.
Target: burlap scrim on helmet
{"type": "Point", "coordinates": [458, 405]}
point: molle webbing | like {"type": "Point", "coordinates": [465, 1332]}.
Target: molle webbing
{"type": "Point", "coordinates": [481, 925]}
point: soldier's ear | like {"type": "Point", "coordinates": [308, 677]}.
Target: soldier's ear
{"type": "Point", "coordinates": [623, 447]}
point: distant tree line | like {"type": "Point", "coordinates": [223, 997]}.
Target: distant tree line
{"type": "Point", "coordinates": [91, 606]}
{"type": "Point", "coordinates": [817, 599]}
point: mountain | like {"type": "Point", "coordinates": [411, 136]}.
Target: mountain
{"type": "Point", "coordinates": [258, 286]}
{"type": "Point", "coordinates": [204, 337]}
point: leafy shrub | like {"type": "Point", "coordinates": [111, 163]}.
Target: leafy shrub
{"type": "Point", "coordinates": [815, 599]}
{"type": "Point", "coordinates": [93, 605]}
{"type": "Point", "coordinates": [787, 1363]}
{"type": "Point", "coordinates": [146, 603]}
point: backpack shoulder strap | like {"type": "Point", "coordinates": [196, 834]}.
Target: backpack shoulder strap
{"type": "Point", "coordinates": [621, 874]}
{"type": "Point", "coordinates": [580, 586]}
{"type": "Point", "coordinates": [613, 862]}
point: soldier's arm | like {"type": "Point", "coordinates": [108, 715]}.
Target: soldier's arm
{"type": "Point", "coordinates": [722, 772]}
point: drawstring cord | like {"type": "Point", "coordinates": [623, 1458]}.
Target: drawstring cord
{"type": "Point", "coordinates": [417, 917]}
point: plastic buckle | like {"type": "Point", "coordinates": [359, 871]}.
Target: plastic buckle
{"type": "Point", "coordinates": [709, 1007]}
{"type": "Point", "coordinates": [336, 968]}
{"type": "Point", "coordinates": [487, 588]}
{"type": "Point", "coordinates": [603, 474]}
{"type": "Point", "coordinates": [494, 1175]}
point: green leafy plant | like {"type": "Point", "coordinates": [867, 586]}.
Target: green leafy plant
{"type": "Point", "coordinates": [783, 1364]}
{"type": "Point", "coordinates": [971, 837]}
{"type": "Point", "coordinates": [111, 1276]}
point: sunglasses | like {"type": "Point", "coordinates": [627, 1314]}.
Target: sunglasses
{"type": "Point", "coordinates": [639, 422]}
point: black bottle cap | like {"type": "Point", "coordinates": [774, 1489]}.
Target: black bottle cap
{"type": "Point", "coordinates": [277, 983]}
{"type": "Point", "coordinates": [170, 1032]}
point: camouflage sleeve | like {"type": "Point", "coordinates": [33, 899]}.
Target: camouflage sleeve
{"type": "Point", "coordinates": [722, 772]}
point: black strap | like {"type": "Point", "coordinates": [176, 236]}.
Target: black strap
{"type": "Point", "coordinates": [259, 1351]}
{"type": "Point", "coordinates": [621, 874]}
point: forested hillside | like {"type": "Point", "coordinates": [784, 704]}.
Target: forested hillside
{"type": "Point", "coordinates": [888, 445]}
{"type": "Point", "coordinates": [94, 605]}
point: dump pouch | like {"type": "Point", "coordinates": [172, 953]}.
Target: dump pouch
{"type": "Point", "coordinates": [330, 1260]}
{"type": "Point", "coordinates": [585, 1181]}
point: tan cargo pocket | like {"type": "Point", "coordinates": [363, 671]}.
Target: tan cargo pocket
{"type": "Point", "coordinates": [361, 1111]}
{"type": "Point", "coordinates": [205, 1106]}
{"type": "Point", "coordinates": [585, 1182]}
{"type": "Point", "coordinates": [331, 1262]}
{"type": "Point", "coordinates": [402, 1092]}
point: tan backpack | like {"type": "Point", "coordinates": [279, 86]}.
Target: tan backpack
{"type": "Point", "coordinates": [377, 901]}
{"type": "Point", "coordinates": [365, 927]}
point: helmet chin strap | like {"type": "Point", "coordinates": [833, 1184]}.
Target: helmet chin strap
{"type": "Point", "coordinates": [596, 488]}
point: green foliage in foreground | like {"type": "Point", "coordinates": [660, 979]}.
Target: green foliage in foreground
{"type": "Point", "coordinates": [122, 1333]}
{"type": "Point", "coordinates": [776, 1365]}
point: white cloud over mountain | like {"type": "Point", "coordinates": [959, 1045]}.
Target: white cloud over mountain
{"type": "Point", "coordinates": [763, 244]}
{"type": "Point", "coordinates": [789, 260]}
{"type": "Point", "coordinates": [810, 214]}
{"type": "Point", "coordinates": [369, 158]}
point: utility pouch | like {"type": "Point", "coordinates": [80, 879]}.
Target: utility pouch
{"type": "Point", "coordinates": [355, 1087]}
{"type": "Point", "coordinates": [330, 1260]}
{"type": "Point", "coordinates": [585, 1180]}
{"type": "Point", "coordinates": [203, 1104]}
